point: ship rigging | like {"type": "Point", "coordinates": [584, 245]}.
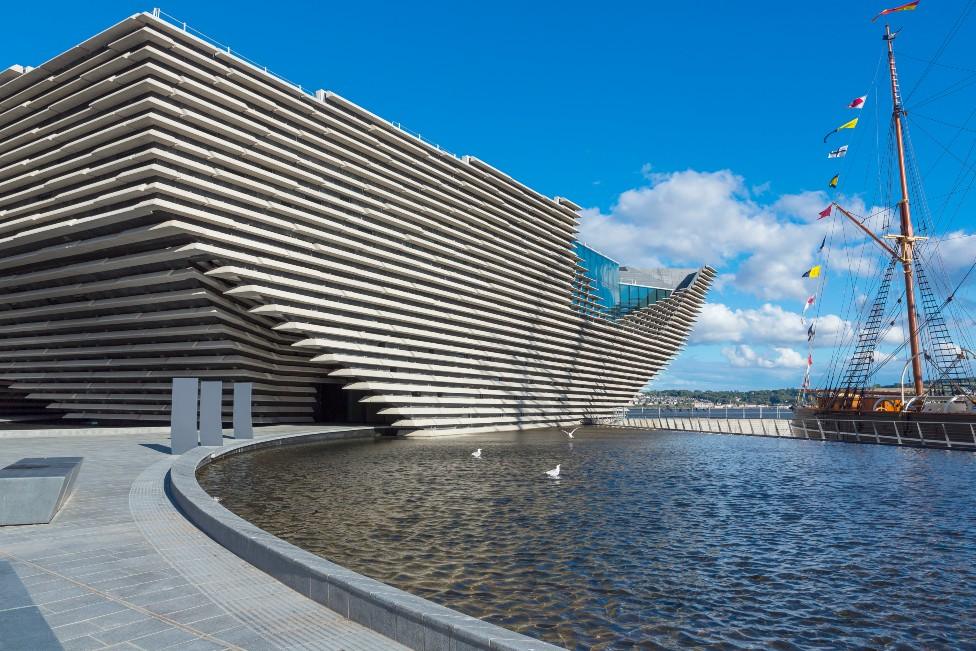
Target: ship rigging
{"type": "Point", "coordinates": [948, 386]}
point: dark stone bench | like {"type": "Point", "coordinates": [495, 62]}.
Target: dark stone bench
{"type": "Point", "coordinates": [33, 490]}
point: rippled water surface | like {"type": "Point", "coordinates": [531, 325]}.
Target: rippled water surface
{"type": "Point", "coordinates": [649, 540]}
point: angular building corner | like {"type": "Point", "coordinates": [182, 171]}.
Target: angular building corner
{"type": "Point", "coordinates": [169, 210]}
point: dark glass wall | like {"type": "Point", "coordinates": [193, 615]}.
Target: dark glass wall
{"type": "Point", "coordinates": [600, 291]}
{"type": "Point", "coordinates": [604, 275]}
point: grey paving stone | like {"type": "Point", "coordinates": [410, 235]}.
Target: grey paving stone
{"type": "Point", "coordinates": [216, 625]}
{"type": "Point", "coordinates": [147, 599]}
{"type": "Point", "coordinates": [94, 576]}
{"type": "Point", "coordinates": [77, 629]}
{"type": "Point", "coordinates": [195, 614]}
{"type": "Point", "coordinates": [86, 560]}
{"type": "Point", "coordinates": [164, 639]}
{"type": "Point", "coordinates": [154, 586]}
{"type": "Point", "coordinates": [37, 581]}
{"type": "Point", "coordinates": [178, 603]}
{"type": "Point", "coordinates": [120, 531]}
{"type": "Point", "coordinates": [82, 644]}
{"type": "Point", "coordinates": [198, 644]}
{"type": "Point", "coordinates": [58, 603]}
{"type": "Point", "coordinates": [135, 553]}
{"type": "Point", "coordinates": [116, 619]}
{"type": "Point", "coordinates": [56, 594]}
{"type": "Point", "coordinates": [133, 631]}
{"type": "Point", "coordinates": [245, 638]}
{"type": "Point", "coordinates": [114, 583]}
{"type": "Point", "coordinates": [81, 614]}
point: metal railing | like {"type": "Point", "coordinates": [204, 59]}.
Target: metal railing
{"type": "Point", "coordinates": [710, 412]}
{"type": "Point", "coordinates": [930, 434]}
{"type": "Point", "coordinates": [941, 434]}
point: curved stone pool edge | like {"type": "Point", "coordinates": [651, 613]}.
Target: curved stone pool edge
{"type": "Point", "coordinates": [410, 620]}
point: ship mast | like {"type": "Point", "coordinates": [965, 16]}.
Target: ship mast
{"type": "Point", "coordinates": [907, 238]}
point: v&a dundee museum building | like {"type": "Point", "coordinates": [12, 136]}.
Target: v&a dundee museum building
{"type": "Point", "coordinates": [169, 210]}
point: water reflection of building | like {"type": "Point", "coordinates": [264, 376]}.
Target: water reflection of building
{"type": "Point", "coordinates": [167, 209]}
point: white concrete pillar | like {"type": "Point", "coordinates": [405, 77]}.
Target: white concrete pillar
{"type": "Point", "coordinates": [242, 410]}
{"type": "Point", "coordinates": [211, 422]}
{"type": "Point", "coordinates": [183, 415]}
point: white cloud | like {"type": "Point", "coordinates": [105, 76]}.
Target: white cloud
{"type": "Point", "coordinates": [743, 356]}
{"type": "Point", "coordinates": [766, 325]}
{"type": "Point", "coordinates": [684, 217]}
{"type": "Point", "coordinates": [761, 243]}
{"type": "Point", "coordinates": [693, 218]}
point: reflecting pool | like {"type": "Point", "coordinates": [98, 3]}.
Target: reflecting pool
{"type": "Point", "coordinates": [647, 540]}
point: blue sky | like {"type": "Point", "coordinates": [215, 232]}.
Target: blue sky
{"type": "Point", "coordinates": [691, 131]}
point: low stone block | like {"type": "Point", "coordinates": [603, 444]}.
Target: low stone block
{"type": "Point", "coordinates": [34, 489]}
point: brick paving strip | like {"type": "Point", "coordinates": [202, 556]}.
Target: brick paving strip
{"type": "Point", "coordinates": [121, 568]}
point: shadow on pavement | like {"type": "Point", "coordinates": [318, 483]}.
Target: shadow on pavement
{"type": "Point", "coordinates": [158, 447]}
{"type": "Point", "coordinates": [22, 626]}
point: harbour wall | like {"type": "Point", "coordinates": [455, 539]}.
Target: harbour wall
{"type": "Point", "coordinates": [747, 426]}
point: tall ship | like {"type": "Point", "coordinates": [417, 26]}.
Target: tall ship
{"type": "Point", "coordinates": [911, 324]}
{"type": "Point", "coordinates": [170, 209]}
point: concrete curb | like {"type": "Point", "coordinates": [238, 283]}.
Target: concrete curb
{"type": "Point", "coordinates": [410, 620]}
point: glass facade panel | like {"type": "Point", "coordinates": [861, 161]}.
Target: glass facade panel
{"type": "Point", "coordinates": [599, 290]}
{"type": "Point", "coordinates": [634, 297]}
{"type": "Point", "coordinates": [604, 275]}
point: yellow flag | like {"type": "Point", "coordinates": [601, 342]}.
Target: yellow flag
{"type": "Point", "coordinates": [833, 181]}
{"type": "Point", "coordinates": [813, 272]}
{"type": "Point", "coordinates": [846, 125]}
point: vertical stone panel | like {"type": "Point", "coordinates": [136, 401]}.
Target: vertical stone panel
{"type": "Point", "coordinates": [211, 422]}
{"type": "Point", "coordinates": [183, 415]}
{"type": "Point", "coordinates": [242, 410]}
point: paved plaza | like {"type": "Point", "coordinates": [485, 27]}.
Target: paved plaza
{"type": "Point", "coordinates": [119, 567]}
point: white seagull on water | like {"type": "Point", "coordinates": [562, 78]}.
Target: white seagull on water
{"type": "Point", "coordinates": [570, 432]}
{"type": "Point", "coordinates": [554, 473]}
{"type": "Point", "coordinates": [476, 454]}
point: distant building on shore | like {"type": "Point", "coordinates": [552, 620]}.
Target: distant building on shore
{"type": "Point", "coordinates": [168, 209]}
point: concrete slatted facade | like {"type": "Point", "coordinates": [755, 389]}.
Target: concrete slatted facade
{"type": "Point", "coordinates": [168, 210]}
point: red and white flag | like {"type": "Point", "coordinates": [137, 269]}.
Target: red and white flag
{"type": "Point", "coordinates": [858, 102]}
{"type": "Point", "coordinates": [809, 303]}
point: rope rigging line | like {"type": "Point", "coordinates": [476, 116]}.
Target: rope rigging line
{"type": "Point", "coordinates": [846, 163]}
{"type": "Point", "coordinates": [852, 336]}
{"type": "Point", "coordinates": [965, 168]}
{"type": "Point", "coordinates": [955, 87]}
{"type": "Point", "coordinates": [931, 276]}
{"type": "Point", "coordinates": [904, 55]}
{"type": "Point", "coordinates": [963, 15]}
{"type": "Point", "coordinates": [949, 299]}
